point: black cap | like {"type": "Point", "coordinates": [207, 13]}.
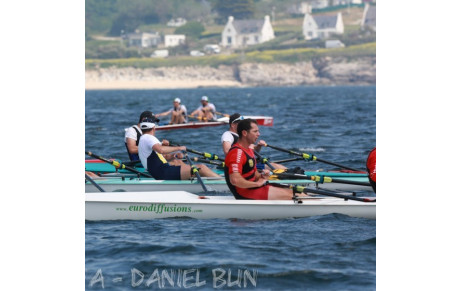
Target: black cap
{"type": "Point", "coordinates": [233, 117]}
{"type": "Point", "coordinates": [148, 114]}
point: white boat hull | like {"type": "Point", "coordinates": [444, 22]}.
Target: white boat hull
{"type": "Point", "coordinates": [154, 205]}
{"type": "Point", "coordinates": [261, 120]}
{"type": "Point", "coordinates": [217, 185]}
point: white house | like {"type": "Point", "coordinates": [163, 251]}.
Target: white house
{"type": "Point", "coordinates": [346, 2]}
{"type": "Point", "coordinates": [319, 4]}
{"type": "Point", "coordinates": [239, 33]}
{"type": "Point", "coordinates": [144, 39]}
{"type": "Point", "coordinates": [299, 8]}
{"type": "Point", "coordinates": [176, 22]}
{"type": "Point", "coordinates": [369, 19]}
{"type": "Point", "coordinates": [174, 40]}
{"type": "Point", "coordinates": [322, 26]}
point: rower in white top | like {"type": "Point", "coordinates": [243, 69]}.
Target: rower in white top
{"type": "Point", "coordinates": [178, 113]}
{"type": "Point", "coordinates": [206, 112]}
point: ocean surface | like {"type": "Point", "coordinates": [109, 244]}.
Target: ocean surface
{"type": "Point", "coordinates": [331, 252]}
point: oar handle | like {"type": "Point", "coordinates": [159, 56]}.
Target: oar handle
{"type": "Point", "coordinates": [311, 158]}
{"type": "Point", "coordinates": [117, 164]}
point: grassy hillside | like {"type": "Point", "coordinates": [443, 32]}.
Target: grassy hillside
{"type": "Point", "coordinates": [267, 56]}
{"type": "Point", "coordinates": [288, 46]}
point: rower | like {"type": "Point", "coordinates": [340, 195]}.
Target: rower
{"type": "Point", "coordinates": [371, 166]}
{"type": "Point", "coordinates": [242, 178]}
{"type": "Point", "coordinates": [133, 134]}
{"type": "Point", "coordinates": [206, 111]}
{"type": "Point", "coordinates": [178, 113]}
{"type": "Point", "coordinates": [151, 152]}
{"type": "Point", "coordinates": [230, 137]}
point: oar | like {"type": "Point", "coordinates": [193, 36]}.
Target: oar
{"type": "Point", "coordinates": [264, 160]}
{"type": "Point", "coordinates": [196, 172]}
{"type": "Point", "coordinates": [130, 163]}
{"type": "Point", "coordinates": [319, 179]}
{"type": "Point", "coordinates": [205, 155]}
{"type": "Point", "coordinates": [223, 114]}
{"type": "Point", "coordinates": [288, 160]}
{"type": "Point", "coordinates": [94, 183]}
{"type": "Point", "coordinates": [302, 189]}
{"type": "Point", "coordinates": [311, 158]}
{"type": "Point", "coordinates": [195, 159]}
{"type": "Point", "coordinates": [117, 164]}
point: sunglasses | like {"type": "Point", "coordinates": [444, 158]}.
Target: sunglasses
{"type": "Point", "coordinates": [238, 119]}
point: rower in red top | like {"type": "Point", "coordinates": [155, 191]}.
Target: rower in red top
{"type": "Point", "coordinates": [241, 174]}
{"type": "Point", "coordinates": [371, 166]}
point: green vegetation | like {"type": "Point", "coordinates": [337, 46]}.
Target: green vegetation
{"type": "Point", "coordinates": [267, 56]}
{"type": "Point", "coordinates": [191, 29]}
{"type": "Point", "coordinates": [107, 20]}
{"type": "Point", "coordinates": [240, 9]}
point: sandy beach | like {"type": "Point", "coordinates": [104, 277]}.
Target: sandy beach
{"type": "Point", "coordinates": [332, 72]}
{"type": "Point", "coordinates": [157, 84]}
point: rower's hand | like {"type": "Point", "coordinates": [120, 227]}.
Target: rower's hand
{"type": "Point", "coordinates": [265, 174]}
{"type": "Point", "coordinates": [179, 155]}
{"type": "Point", "coordinates": [165, 142]}
{"type": "Point", "coordinates": [262, 143]}
{"type": "Point", "coordinates": [261, 182]}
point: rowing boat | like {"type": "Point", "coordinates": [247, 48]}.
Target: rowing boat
{"type": "Point", "coordinates": [153, 205]}
{"type": "Point", "coordinates": [261, 120]}
{"type": "Point", "coordinates": [98, 166]}
{"type": "Point", "coordinates": [134, 184]}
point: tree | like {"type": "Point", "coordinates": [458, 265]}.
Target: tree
{"type": "Point", "coordinates": [191, 29]}
{"type": "Point", "coordinates": [239, 9]}
{"type": "Point", "coordinates": [132, 15]}
{"type": "Point", "coordinates": [99, 15]}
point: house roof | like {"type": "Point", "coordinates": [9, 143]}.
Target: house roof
{"type": "Point", "coordinates": [143, 34]}
{"type": "Point", "coordinates": [325, 21]}
{"type": "Point", "coordinates": [248, 26]}
{"type": "Point", "coordinates": [370, 18]}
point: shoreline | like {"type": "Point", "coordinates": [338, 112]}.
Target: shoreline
{"type": "Point", "coordinates": [328, 72]}
{"type": "Point", "coordinates": [191, 85]}
{"type": "Point", "coordinates": [163, 84]}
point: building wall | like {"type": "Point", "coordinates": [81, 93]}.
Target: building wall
{"type": "Point", "coordinates": [172, 40]}
{"type": "Point", "coordinates": [236, 40]}
{"type": "Point", "coordinates": [309, 28]}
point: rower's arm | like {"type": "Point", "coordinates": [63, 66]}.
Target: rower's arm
{"type": "Point", "coordinates": [237, 180]}
{"type": "Point", "coordinates": [132, 147]}
{"type": "Point", "coordinates": [226, 145]}
{"type": "Point", "coordinates": [167, 149]}
{"type": "Point", "coordinates": [163, 113]}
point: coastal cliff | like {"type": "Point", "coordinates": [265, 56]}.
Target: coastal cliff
{"type": "Point", "coordinates": [321, 71]}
